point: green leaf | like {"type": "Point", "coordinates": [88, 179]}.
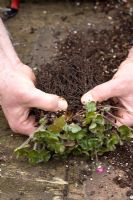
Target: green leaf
{"type": "Point", "coordinates": [80, 134]}
{"type": "Point", "coordinates": [102, 150]}
{"type": "Point", "coordinates": [22, 152]}
{"type": "Point", "coordinates": [57, 147]}
{"type": "Point", "coordinates": [112, 141]}
{"type": "Point", "coordinates": [73, 132]}
{"type": "Point", "coordinates": [52, 137]}
{"type": "Point", "coordinates": [74, 128]}
{"type": "Point", "coordinates": [36, 157]}
{"type": "Point", "coordinates": [99, 120]}
{"type": "Point", "coordinates": [99, 132]}
{"type": "Point", "coordinates": [46, 136]}
{"type": "Point", "coordinates": [66, 128]}
{"type": "Point", "coordinates": [94, 143]}
{"type": "Point", "coordinates": [124, 132]}
{"type": "Point", "coordinates": [108, 126]}
{"type": "Point", "coordinates": [40, 136]}
{"type": "Point", "coordinates": [90, 144]}
{"type": "Point", "coordinates": [77, 151]}
{"type": "Point", "coordinates": [84, 144]}
{"type": "Point", "coordinates": [92, 126]}
{"type": "Point", "coordinates": [89, 117]}
{"type": "Point", "coordinates": [97, 126]}
{"type": "Point", "coordinates": [91, 106]}
{"type": "Point", "coordinates": [58, 125]}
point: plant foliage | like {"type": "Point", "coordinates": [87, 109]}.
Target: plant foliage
{"type": "Point", "coordinates": [94, 135]}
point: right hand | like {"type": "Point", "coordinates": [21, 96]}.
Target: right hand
{"type": "Point", "coordinates": [120, 87]}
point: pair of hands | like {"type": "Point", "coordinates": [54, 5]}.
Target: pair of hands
{"type": "Point", "coordinates": [18, 94]}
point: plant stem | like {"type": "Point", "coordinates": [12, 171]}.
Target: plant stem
{"type": "Point", "coordinates": [114, 118]}
{"type": "Point", "coordinates": [24, 144]}
{"type": "Point", "coordinates": [117, 118]}
{"type": "Point", "coordinates": [96, 157]}
{"type": "Point", "coordinates": [109, 121]}
{"type": "Point", "coordinates": [35, 146]}
{"type": "Point", "coordinates": [116, 107]}
{"type": "Point", "coordinates": [80, 113]}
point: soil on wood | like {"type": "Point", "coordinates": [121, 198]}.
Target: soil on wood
{"type": "Point", "coordinates": [85, 59]}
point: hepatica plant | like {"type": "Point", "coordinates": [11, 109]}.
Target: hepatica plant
{"type": "Point", "coordinates": [93, 135]}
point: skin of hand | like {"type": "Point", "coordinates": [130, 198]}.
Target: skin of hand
{"type": "Point", "coordinates": [119, 87]}
{"type": "Point", "coordinates": [18, 94]}
{"type": "Point", "coordinates": [17, 89]}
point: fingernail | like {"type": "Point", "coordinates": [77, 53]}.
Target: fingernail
{"type": "Point", "coordinates": [86, 97]}
{"type": "Point", "coordinates": [62, 104]}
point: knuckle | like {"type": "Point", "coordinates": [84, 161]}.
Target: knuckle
{"type": "Point", "coordinates": [23, 95]}
{"type": "Point", "coordinates": [31, 74]}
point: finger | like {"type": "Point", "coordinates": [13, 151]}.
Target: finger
{"type": "Point", "coordinates": [125, 118]}
{"type": "Point", "coordinates": [26, 127]}
{"type": "Point", "coordinates": [45, 101]}
{"type": "Point", "coordinates": [103, 92]}
{"type": "Point", "coordinates": [19, 120]}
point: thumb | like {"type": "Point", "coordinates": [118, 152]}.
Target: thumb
{"type": "Point", "coordinates": [102, 92]}
{"type": "Point", "coordinates": [45, 101]}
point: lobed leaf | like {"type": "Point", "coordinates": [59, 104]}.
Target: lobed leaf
{"type": "Point", "coordinates": [124, 132]}
{"type": "Point", "coordinates": [58, 125]}
{"type": "Point", "coordinates": [36, 157]}
{"type": "Point", "coordinates": [91, 106]}
{"type": "Point", "coordinates": [89, 117]}
{"type": "Point", "coordinates": [112, 141]}
{"type": "Point", "coordinates": [74, 128]}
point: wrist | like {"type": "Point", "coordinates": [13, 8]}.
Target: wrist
{"type": "Point", "coordinates": [6, 63]}
{"type": "Point", "coordinates": [6, 47]}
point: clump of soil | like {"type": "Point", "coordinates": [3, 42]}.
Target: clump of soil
{"type": "Point", "coordinates": [85, 59]}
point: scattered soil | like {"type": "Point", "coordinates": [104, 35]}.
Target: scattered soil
{"type": "Point", "coordinates": [122, 158]}
{"type": "Point", "coordinates": [85, 59]}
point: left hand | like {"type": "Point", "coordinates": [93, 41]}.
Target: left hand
{"type": "Point", "coordinates": [18, 94]}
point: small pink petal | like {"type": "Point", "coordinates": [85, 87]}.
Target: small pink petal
{"type": "Point", "coordinates": [100, 169]}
